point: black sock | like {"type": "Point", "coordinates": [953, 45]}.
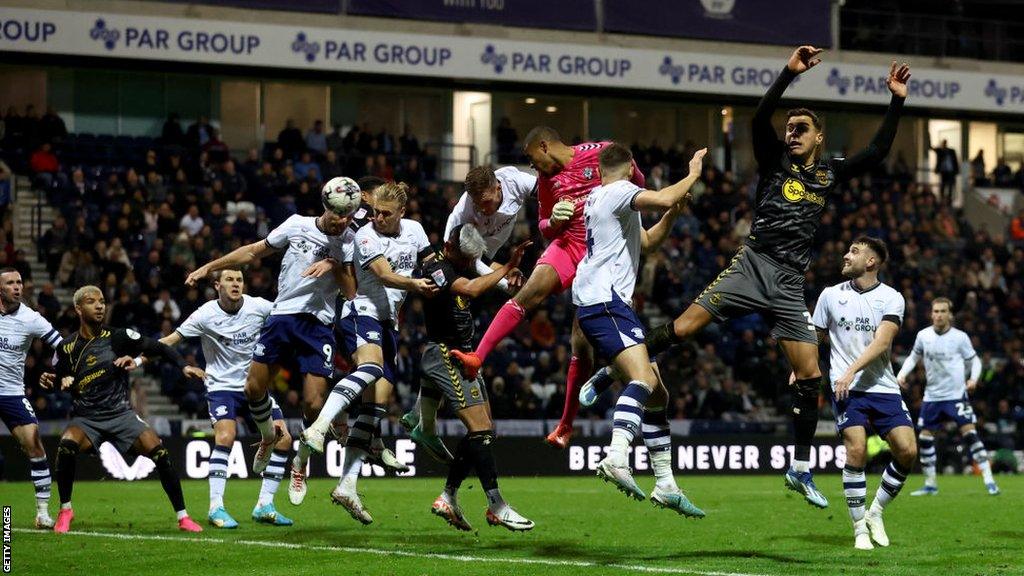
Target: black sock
{"type": "Point", "coordinates": [660, 339]}
{"type": "Point", "coordinates": [67, 455]}
{"type": "Point", "coordinates": [479, 445]}
{"type": "Point", "coordinates": [805, 416]}
{"type": "Point", "coordinates": [460, 466]}
{"type": "Point", "coordinates": [168, 477]}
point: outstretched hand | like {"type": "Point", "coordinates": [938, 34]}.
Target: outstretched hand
{"type": "Point", "coordinates": [697, 162]}
{"type": "Point", "coordinates": [803, 59]}
{"type": "Point", "coordinates": [897, 80]}
{"type": "Point", "coordinates": [517, 253]}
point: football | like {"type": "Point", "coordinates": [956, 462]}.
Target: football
{"type": "Point", "coordinates": [341, 195]}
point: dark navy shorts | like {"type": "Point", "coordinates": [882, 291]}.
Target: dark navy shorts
{"type": "Point", "coordinates": [357, 331]}
{"type": "Point", "coordinates": [881, 412]}
{"type": "Point", "coordinates": [225, 405]}
{"type": "Point", "coordinates": [934, 414]}
{"type": "Point", "coordinates": [610, 327]}
{"type": "Point", "coordinates": [16, 411]}
{"type": "Point", "coordinates": [300, 337]}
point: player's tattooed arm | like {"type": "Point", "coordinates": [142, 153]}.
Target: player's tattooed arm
{"type": "Point", "coordinates": [131, 344]}
{"type": "Point", "coordinates": [381, 268]}
{"type": "Point", "coordinates": [239, 257]}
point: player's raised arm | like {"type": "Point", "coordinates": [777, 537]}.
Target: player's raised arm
{"type": "Point", "coordinates": [879, 146]}
{"type": "Point", "coordinates": [131, 343]}
{"type": "Point", "coordinates": [237, 258]}
{"type": "Point", "coordinates": [674, 194]}
{"type": "Point", "coordinates": [767, 146]}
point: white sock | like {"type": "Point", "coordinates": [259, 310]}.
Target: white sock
{"type": "Point", "coordinates": [662, 464]}
{"type": "Point", "coordinates": [801, 465]}
{"type": "Point", "coordinates": [351, 468]}
{"type": "Point", "coordinates": [495, 502]}
{"type": "Point", "coordinates": [218, 475]}
{"type": "Point", "coordinates": [182, 514]}
{"type": "Point", "coordinates": [986, 472]}
{"type": "Point", "coordinates": [301, 457]}
{"type": "Point", "coordinates": [334, 405]}
{"type": "Point", "coordinates": [272, 477]}
{"type": "Point", "coordinates": [65, 505]}
{"type": "Point", "coordinates": [620, 445]}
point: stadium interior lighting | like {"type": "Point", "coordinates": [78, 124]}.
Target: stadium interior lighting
{"type": "Point", "coordinates": [551, 109]}
{"type": "Point", "coordinates": [530, 100]}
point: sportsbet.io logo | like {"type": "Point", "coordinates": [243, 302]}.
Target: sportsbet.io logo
{"type": "Point", "coordinates": [674, 71]}
{"type": "Point", "coordinates": [996, 92]}
{"type": "Point", "coordinates": [109, 36]}
{"type": "Point", "coordinates": [491, 57]}
{"type": "Point", "coordinates": [303, 46]}
{"type": "Point", "coordinates": [838, 81]}
{"type": "Point", "coordinates": [794, 191]}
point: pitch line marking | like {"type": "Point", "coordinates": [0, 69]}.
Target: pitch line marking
{"type": "Point", "coordinates": [403, 553]}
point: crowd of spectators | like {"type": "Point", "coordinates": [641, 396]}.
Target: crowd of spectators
{"type": "Point", "coordinates": [137, 231]}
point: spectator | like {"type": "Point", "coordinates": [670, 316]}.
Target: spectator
{"type": "Point", "coordinates": [316, 139]}
{"type": "Point", "coordinates": [172, 134]}
{"type": "Point", "coordinates": [1002, 174]}
{"type": "Point", "coordinates": [217, 151]}
{"type": "Point", "coordinates": [198, 133]}
{"type": "Point", "coordinates": [978, 173]}
{"type": "Point", "coordinates": [306, 169]}
{"type": "Point", "coordinates": [542, 331]}
{"type": "Point", "coordinates": [335, 141]}
{"type": "Point", "coordinates": [408, 145]}
{"type": "Point", "coordinates": [45, 168]}
{"type": "Point", "coordinates": [192, 223]}
{"type": "Point", "coordinates": [947, 167]}
{"type": "Point", "coordinates": [51, 127]}
{"type": "Point", "coordinates": [290, 140]}
{"type": "Point", "coordinates": [166, 307]}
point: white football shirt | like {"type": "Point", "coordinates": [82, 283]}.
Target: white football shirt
{"type": "Point", "coordinates": [516, 187]}
{"type": "Point", "coordinates": [851, 318]}
{"type": "Point", "coordinates": [304, 244]}
{"type": "Point", "coordinates": [228, 340]}
{"type": "Point", "coordinates": [402, 251]}
{"type": "Point", "coordinates": [610, 266]}
{"type": "Point", "coordinates": [17, 330]}
{"type": "Point", "coordinates": [945, 357]}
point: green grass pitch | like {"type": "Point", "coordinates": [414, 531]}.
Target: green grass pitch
{"type": "Point", "coordinates": [584, 526]}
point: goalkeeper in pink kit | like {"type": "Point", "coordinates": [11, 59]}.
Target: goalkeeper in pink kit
{"type": "Point", "coordinates": [567, 174]}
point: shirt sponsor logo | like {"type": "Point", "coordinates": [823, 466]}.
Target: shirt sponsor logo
{"type": "Point", "coordinates": [795, 191]}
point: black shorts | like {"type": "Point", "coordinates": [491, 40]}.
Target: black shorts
{"type": "Point", "coordinates": [754, 283]}
{"type": "Point", "coordinates": [121, 430]}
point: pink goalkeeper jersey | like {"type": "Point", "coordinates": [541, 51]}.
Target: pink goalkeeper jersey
{"type": "Point", "coordinates": [574, 183]}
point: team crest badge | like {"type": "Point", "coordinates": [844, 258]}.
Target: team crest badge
{"type": "Point", "coordinates": [715, 299]}
{"type": "Point", "coordinates": [822, 176]}
{"type": "Point", "coordinates": [588, 172]}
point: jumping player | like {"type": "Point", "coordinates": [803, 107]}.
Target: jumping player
{"type": "Point", "coordinates": [860, 319]}
{"type": "Point", "coordinates": [603, 293]}
{"type": "Point", "coordinates": [299, 326]}
{"type": "Point", "coordinates": [767, 274]}
{"type": "Point", "coordinates": [567, 175]}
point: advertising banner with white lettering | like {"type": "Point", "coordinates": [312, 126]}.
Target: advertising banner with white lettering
{"type": "Point", "coordinates": [516, 456]}
{"type": "Point", "coordinates": [563, 15]}
{"type": "Point", "coordinates": [788, 22]}
{"type": "Point", "coordinates": [484, 59]}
